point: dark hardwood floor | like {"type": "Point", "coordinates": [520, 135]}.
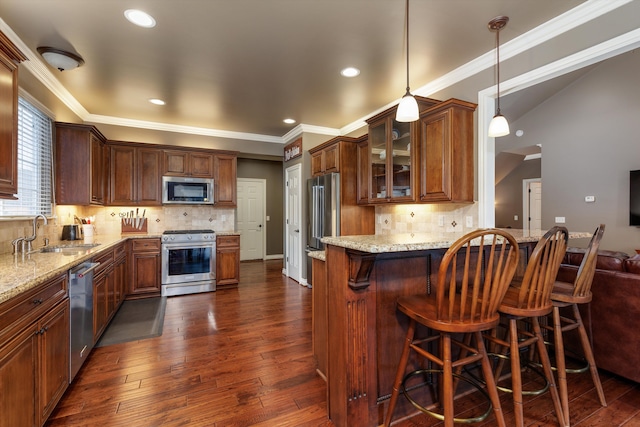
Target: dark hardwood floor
{"type": "Point", "coordinates": [243, 357]}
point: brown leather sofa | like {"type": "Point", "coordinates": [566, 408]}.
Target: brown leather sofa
{"type": "Point", "coordinates": [615, 310]}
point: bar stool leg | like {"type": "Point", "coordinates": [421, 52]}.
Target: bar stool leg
{"type": "Point", "coordinates": [400, 372]}
{"type": "Point", "coordinates": [560, 363]}
{"type": "Point", "coordinates": [446, 394]}
{"type": "Point", "coordinates": [516, 375]}
{"type": "Point", "coordinates": [588, 353]}
{"type": "Point", "coordinates": [546, 365]}
{"type": "Point", "coordinates": [491, 384]}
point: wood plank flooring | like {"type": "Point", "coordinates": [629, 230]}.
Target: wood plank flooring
{"type": "Point", "coordinates": [243, 357]}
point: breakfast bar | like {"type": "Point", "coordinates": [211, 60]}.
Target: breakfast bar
{"type": "Point", "coordinates": [365, 275]}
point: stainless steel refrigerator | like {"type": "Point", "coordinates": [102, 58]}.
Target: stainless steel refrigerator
{"type": "Point", "coordinates": [323, 218]}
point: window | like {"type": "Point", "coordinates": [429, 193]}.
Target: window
{"type": "Point", "coordinates": [34, 164]}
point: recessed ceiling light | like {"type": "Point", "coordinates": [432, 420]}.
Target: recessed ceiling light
{"type": "Point", "coordinates": [157, 101]}
{"type": "Point", "coordinates": [350, 72]}
{"type": "Point", "coordinates": [289, 121]}
{"type": "Point", "coordinates": [140, 18]}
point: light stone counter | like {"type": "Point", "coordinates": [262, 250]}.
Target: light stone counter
{"type": "Point", "coordinates": [423, 241]}
{"type": "Point", "coordinates": [321, 255]}
{"type": "Point", "coordinates": [19, 273]}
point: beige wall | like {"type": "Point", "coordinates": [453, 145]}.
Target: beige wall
{"type": "Point", "coordinates": [589, 136]}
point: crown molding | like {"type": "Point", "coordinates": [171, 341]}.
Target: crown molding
{"type": "Point", "coordinates": [556, 26]}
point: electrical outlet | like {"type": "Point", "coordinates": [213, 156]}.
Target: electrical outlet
{"type": "Point", "coordinates": [441, 220]}
{"type": "Point", "coordinates": [560, 220]}
{"type": "Point", "coordinates": [268, 218]}
{"type": "Point", "coordinates": [515, 217]}
{"type": "Point", "coordinates": [469, 221]}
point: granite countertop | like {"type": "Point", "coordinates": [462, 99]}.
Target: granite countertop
{"type": "Point", "coordinates": [19, 273]}
{"type": "Point", "coordinates": [423, 241]}
{"type": "Point", "coordinates": [321, 255]}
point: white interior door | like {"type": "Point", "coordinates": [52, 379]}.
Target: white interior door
{"type": "Point", "coordinates": [532, 204]}
{"type": "Point", "coordinates": [293, 208]}
{"type": "Point", "coordinates": [251, 215]}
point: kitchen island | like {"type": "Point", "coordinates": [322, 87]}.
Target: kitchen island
{"type": "Point", "coordinates": [365, 275]}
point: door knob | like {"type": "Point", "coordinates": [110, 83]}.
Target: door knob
{"type": "Point", "coordinates": [297, 230]}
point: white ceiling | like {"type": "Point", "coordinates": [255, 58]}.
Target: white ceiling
{"type": "Point", "coordinates": [245, 65]}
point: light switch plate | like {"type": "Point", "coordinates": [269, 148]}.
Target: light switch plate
{"type": "Point", "coordinates": [560, 220]}
{"type": "Point", "coordinates": [469, 221]}
{"type": "Point", "coordinates": [589, 199]}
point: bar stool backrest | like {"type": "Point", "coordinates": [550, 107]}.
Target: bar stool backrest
{"type": "Point", "coordinates": [584, 277]}
{"type": "Point", "coordinates": [474, 275]}
{"type": "Point", "coordinates": [542, 269]}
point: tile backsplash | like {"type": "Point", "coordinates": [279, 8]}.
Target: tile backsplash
{"type": "Point", "coordinates": [428, 218]}
{"type": "Point", "coordinates": [108, 222]}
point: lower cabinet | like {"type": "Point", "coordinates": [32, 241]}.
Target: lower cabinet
{"type": "Point", "coordinates": [227, 261]}
{"type": "Point", "coordinates": [145, 268]}
{"type": "Point", "coordinates": [34, 353]}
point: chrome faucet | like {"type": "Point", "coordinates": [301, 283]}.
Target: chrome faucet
{"type": "Point", "coordinates": [33, 236]}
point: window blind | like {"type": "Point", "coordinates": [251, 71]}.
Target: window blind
{"type": "Point", "coordinates": [34, 164]}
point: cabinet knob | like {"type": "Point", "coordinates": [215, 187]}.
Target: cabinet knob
{"type": "Point", "coordinates": [37, 301]}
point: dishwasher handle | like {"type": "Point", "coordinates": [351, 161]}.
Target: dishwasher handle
{"type": "Point", "coordinates": [89, 269]}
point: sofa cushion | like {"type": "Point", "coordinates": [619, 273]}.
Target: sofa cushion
{"type": "Point", "coordinates": [607, 260]}
{"type": "Point", "coordinates": [632, 265]}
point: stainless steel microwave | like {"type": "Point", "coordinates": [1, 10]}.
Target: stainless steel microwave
{"type": "Point", "coordinates": [187, 191]}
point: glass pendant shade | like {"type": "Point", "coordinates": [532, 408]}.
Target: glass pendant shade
{"type": "Point", "coordinates": [498, 126]}
{"type": "Point", "coordinates": [407, 109]}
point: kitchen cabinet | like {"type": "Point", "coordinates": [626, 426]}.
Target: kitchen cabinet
{"type": "Point", "coordinates": [80, 165]}
{"type": "Point", "coordinates": [188, 163]}
{"type": "Point", "coordinates": [145, 268]}
{"type": "Point", "coordinates": [102, 291]}
{"type": "Point", "coordinates": [227, 261]}
{"type": "Point", "coordinates": [320, 327]}
{"type": "Point", "coordinates": [341, 155]}
{"type": "Point", "coordinates": [54, 358]}
{"type": "Point", "coordinates": [119, 274]}
{"type": "Point", "coordinates": [225, 180]}
{"type": "Point", "coordinates": [34, 353]}
{"type": "Point", "coordinates": [446, 152]}
{"type": "Point", "coordinates": [10, 57]}
{"type": "Point", "coordinates": [326, 160]}
{"type": "Point", "coordinates": [392, 174]}
{"type": "Point", "coordinates": [134, 175]}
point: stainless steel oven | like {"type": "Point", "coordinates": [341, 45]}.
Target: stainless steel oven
{"type": "Point", "coordinates": [188, 262]}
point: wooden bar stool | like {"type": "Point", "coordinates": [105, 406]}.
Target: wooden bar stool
{"type": "Point", "coordinates": [473, 277]}
{"type": "Point", "coordinates": [570, 295]}
{"type": "Point", "coordinates": [528, 299]}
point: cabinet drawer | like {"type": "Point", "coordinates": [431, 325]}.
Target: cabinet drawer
{"type": "Point", "coordinates": [105, 259]}
{"type": "Point", "coordinates": [227, 242]}
{"type": "Point", "coordinates": [26, 308]}
{"type": "Point", "coordinates": [145, 245]}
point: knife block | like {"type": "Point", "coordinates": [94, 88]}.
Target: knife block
{"type": "Point", "coordinates": [128, 225]}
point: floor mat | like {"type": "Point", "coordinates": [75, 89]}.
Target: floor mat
{"type": "Point", "coordinates": [135, 320]}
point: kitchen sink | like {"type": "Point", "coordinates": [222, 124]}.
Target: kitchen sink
{"type": "Point", "coordinates": [68, 249]}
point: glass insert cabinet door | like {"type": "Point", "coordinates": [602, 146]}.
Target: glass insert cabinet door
{"type": "Point", "coordinates": [390, 159]}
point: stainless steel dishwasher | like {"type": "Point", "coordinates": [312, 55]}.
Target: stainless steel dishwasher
{"type": "Point", "coordinates": [81, 322]}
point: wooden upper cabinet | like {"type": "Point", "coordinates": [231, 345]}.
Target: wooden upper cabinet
{"type": "Point", "coordinates": [326, 160]}
{"type": "Point", "coordinates": [362, 162]}
{"type": "Point", "coordinates": [134, 175]}
{"type": "Point", "coordinates": [225, 180]}
{"type": "Point", "coordinates": [446, 152]}
{"type": "Point", "coordinates": [10, 57]}
{"type": "Point", "coordinates": [188, 163]}
{"type": "Point", "coordinates": [80, 165]}
{"type": "Point", "coordinates": [392, 156]}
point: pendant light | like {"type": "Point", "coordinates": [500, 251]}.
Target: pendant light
{"type": "Point", "coordinates": [499, 125]}
{"type": "Point", "coordinates": [408, 107]}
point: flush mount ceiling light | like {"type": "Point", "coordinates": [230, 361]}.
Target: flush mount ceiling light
{"type": "Point", "coordinates": [60, 59]}
{"type": "Point", "coordinates": [350, 72]}
{"type": "Point", "coordinates": [140, 18]}
{"type": "Point", "coordinates": [499, 125]}
{"type": "Point", "coordinates": [408, 107]}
